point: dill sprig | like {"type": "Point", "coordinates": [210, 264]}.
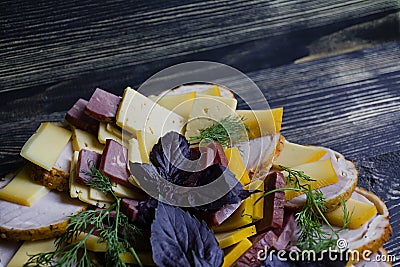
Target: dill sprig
{"type": "Point", "coordinates": [229, 130]}
{"type": "Point", "coordinates": [111, 225]}
{"type": "Point", "coordinates": [311, 218]}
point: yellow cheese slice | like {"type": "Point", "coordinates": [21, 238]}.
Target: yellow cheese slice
{"type": "Point", "coordinates": [241, 217]}
{"type": "Point", "coordinates": [208, 110]}
{"type": "Point", "coordinates": [92, 243]}
{"type": "Point", "coordinates": [258, 210]}
{"type": "Point", "coordinates": [84, 140]}
{"type": "Point", "coordinates": [233, 253]}
{"type": "Point", "coordinates": [45, 146]}
{"type": "Point", "coordinates": [236, 165]}
{"type": "Point", "coordinates": [230, 238]}
{"type": "Point", "coordinates": [359, 213]}
{"type": "Point", "coordinates": [123, 191]}
{"type": "Point", "coordinates": [146, 141]}
{"type": "Point", "coordinates": [104, 134]}
{"type": "Point", "coordinates": [22, 190]}
{"type": "Point", "coordinates": [137, 112]}
{"type": "Point", "coordinates": [144, 256]}
{"type": "Point", "coordinates": [321, 171]}
{"type": "Point", "coordinates": [262, 122]}
{"type": "Point", "coordinates": [31, 248]}
{"type": "Point", "coordinates": [98, 195]}
{"type": "Point", "coordinates": [295, 154]}
{"type": "Point", "coordinates": [213, 91]}
{"type": "Point", "coordinates": [82, 192]}
{"type": "Point", "coordinates": [181, 104]}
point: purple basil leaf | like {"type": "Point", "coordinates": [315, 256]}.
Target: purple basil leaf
{"type": "Point", "coordinates": [169, 155]}
{"type": "Point", "coordinates": [178, 239]}
{"type": "Point", "coordinates": [235, 195]}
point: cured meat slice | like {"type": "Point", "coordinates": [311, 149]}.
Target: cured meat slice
{"type": "Point", "coordinates": [77, 117]}
{"type": "Point", "coordinates": [273, 203]}
{"type": "Point", "coordinates": [113, 163]}
{"type": "Point", "coordinates": [130, 208]}
{"type": "Point", "coordinates": [103, 106]}
{"type": "Point", "coordinates": [47, 218]}
{"type": "Point", "coordinates": [86, 157]}
{"type": "Point", "coordinates": [216, 217]}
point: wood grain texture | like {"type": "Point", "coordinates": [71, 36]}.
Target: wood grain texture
{"type": "Point", "coordinates": [53, 53]}
{"type": "Point", "coordinates": [44, 42]}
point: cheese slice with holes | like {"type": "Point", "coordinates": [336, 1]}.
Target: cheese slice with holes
{"type": "Point", "coordinates": [234, 252]}
{"type": "Point", "coordinates": [84, 140]}
{"type": "Point", "coordinates": [262, 122]}
{"type": "Point", "coordinates": [295, 154]}
{"type": "Point", "coordinates": [45, 146]}
{"type": "Point", "coordinates": [22, 190]}
{"type": "Point", "coordinates": [137, 112]}
{"type": "Point", "coordinates": [146, 141]}
{"type": "Point", "coordinates": [208, 110]}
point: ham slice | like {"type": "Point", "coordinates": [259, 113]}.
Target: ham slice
{"type": "Point", "coordinates": [258, 154]}
{"type": "Point", "coordinates": [46, 218]}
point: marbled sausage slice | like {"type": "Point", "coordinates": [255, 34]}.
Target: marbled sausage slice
{"type": "Point", "coordinates": [77, 117]}
{"type": "Point", "coordinates": [103, 106]}
{"type": "Point", "coordinates": [113, 163]}
{"type": "Point", "coordinates": [86, 157]}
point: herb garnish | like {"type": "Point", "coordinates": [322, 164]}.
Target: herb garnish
{"type": "Point", "coordinates": [111, 225]}
{"type": "Point", "coordinates": [311, 218]}
{"type": "Point", "coordinates": [190, 244]}
{"type": "Point", "coordinates": [229, 130]}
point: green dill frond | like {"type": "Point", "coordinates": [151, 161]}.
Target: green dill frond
{"type": "Point", "coordinates": [228, 131]}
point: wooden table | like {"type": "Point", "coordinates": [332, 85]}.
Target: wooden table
{"type": "Point", "coordinates": [333, 65]}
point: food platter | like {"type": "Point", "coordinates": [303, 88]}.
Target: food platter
{"type": "Point", "coordinates": [58, 114]}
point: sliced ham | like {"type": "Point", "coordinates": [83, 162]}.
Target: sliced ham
{"type": "Point", "coordinates": [77, 117]}
{"type": "Point", "coordinates": [342, 190]}
{"type": "Point", "coordinates": [46, 218]}
{"type": "Point", "coordinates": [259, 153]}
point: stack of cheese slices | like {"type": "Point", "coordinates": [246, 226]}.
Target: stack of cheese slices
{"type": "Point", "coordinates": [36, 200]}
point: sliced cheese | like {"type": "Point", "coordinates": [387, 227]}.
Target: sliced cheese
{"type": "Point", "coordinates": [137, 112]}
{"type": "Point", "coordinates": [22, 190]}
{"type": "Point", "coordinates": [213, 91]}
{"type": "Point", "coordinates": [45, 146]}
{"type": "Point", "coordinates": [146, 141]}
{"type": "Point", "coordinates": [123, 191]}
{"type": "Point", "coordinates": [208, 110]}
{"type": "Point", "coordinates": [236, 165]}
{"type": "Point", "coordinates": [84, 140]}
{"type": "Point", "coordinates": [181, 104]}
{"type": "Point", "coordinates": [133, 156]}
{"type": "Point", "coordinates": [258, 209]}
{"type": "Point", "coordinates": [31, 248]}
{"type": "Point", "coordinates": [100, 196]}
{"type": "Point", "coordinates": [295, 154]}
{"type": "Point", "coordinates": [145, 257]}
{"type": "Point", "coordinates": [82, 192]}
{"type": "Point", "coordinates": [114, 130]}
{"type": "Point", "coordinates": [92, 243]}
{"type": "Point", "coordinates": [262, 122]}
{"type": "Point", "coordinates": [230, 238]}
{"type": "Point", "coordinates": [359, 213]}
{"type": "Point", "coordinates": [233, 253]}
{"type": "Point", "coordinates": [241, 217]}
{"type": "Point", "coordinates": [321, 171]}
{"type": "Point", "coordinates": [104, 134]}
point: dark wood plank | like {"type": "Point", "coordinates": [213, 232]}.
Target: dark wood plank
{"type": "Point", "coordinates": [43, 43]}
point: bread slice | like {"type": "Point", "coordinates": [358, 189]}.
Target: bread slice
{"type": "Point", "coordinates": [375, 260]}
{"type": "Point", "coordinates": [335, 193]}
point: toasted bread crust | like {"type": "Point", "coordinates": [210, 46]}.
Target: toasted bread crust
{"type": "Point", "coordinates": [53, 179]}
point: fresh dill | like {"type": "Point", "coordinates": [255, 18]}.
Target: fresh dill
{"type": "Point", "coordinates": [311, 218]}
{"type": "Point", "coordinates": [111, 226]}
{"type": "Point", "coordinates": [229, 130]}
